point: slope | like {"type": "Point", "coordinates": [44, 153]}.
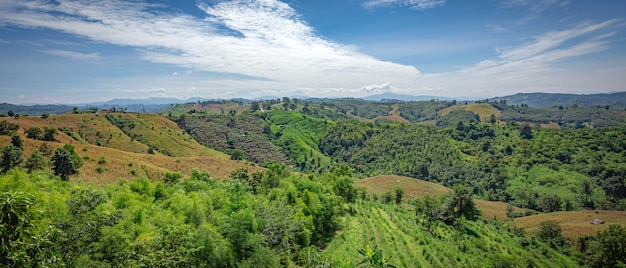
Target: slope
{"type": "Point", "coordinates": [414, 188]}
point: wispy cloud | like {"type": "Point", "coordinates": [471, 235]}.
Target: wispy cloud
{"type": "Point", "coordinates": [533, 66]}
{"type": "Point", "coordinates": [72, 54]}
{"type": "Point", "coordinates": [414, 4]}
{"type": "Point", "coordinates": [534, 8]}
{"type": "Point", "coordinates": [497, 28]}
{"type": "Point", "coordinates": [254, 38]}
{"type": "Point", "coordinates": [550, 41]}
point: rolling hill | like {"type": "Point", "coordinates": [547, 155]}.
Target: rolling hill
{"type": "Point", "coordinates": [116, 146]}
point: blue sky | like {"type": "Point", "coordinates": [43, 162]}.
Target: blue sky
{"type": "Point", "coordinates": [82, 51]}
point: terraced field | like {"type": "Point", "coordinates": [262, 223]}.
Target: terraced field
{"type": "Point", "coordinates": [397, 232]}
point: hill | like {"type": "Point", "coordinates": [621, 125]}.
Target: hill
{"type": "Point", "coordinates": [117, 146]}
{"type": "Point", "coordinates": [558, 99]}
{"type": "Point", "coordinates": [573, 224]}
{"type": "Point", "coordinates": [483, 110]}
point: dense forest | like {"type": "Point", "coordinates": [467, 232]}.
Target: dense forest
{"type": "Point", "coordinates": [117, 189]}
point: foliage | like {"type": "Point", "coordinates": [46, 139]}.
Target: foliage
{"type": "Point", "coordinates": [609, 247]}
{"type": "Point", "coordinates": [36, 161]}
{"type": "Point", "coordinates": [549, 230]}
{"type": "Point", "coordinates": [373, 257]}
{"type": "Point", "coordinates": [65, 162]}
{"type": "Point", "coordinates": [8, 128]}
{"type": "Point", "coordinates": [11, 157]}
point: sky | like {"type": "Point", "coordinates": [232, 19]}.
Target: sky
{"type": "Point", "coordinates": [78, 51]}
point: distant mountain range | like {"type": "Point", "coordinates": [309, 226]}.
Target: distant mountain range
{"type": "Point", "coordinates": [556, 99]}
{"type": "Point", "coordinates": [155, 105]}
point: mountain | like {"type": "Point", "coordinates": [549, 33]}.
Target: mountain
{"type": "Point", "coordinates": [556, 99]}
{"type": "Point", "coordinates": [393, 96]}
{"type": "Point", "coordinates": [148, 101]}
{"type": "Point", "coordinates": [34, 109]}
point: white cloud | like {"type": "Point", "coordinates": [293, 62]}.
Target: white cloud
{"type": "Point", "coordinates": [72, 54]}
{"type": "Point", "coordinates": [414, 4]}
{"type": "Point", "coordinates": [272, 44]}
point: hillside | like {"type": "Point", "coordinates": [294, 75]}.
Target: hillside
{"type": "Point", "coordinates": [407, 243]}
{"type": "Point", "coordinates": [116, 146]}
{"type": "Point", "coordinates": [558, 99]}
{"type": "Point", "coordinates": [573, 223]}
{"type": "Point", "coordinates": [414, 188]}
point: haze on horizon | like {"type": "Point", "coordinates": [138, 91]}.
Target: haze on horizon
{"type": "Point", "coordinates": [77, 51]}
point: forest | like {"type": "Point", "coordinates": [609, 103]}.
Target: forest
{"type": "Point", "coordinates": [279, 183]}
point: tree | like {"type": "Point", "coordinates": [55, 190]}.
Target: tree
{"type": "Point", "coordinates": [34, 133]}
{"type": "Point", "coordinates": [17, 141]}
{"type": "Point", "coordinates": [254, 106]}
{"type": "Point", "coordinates": [549, 230]}
{"type": "Point", "coordinates": [11, 157]}
{"type": "Point", "coordinates": [550, 203]}
{"type": "Point", "coordinates": [526, 132]}
{"type": "Point", "coordinates": [399, 192]}
{"type": "Point", "coordinates": [609, 249]}
{"type": "Point", "coordinates": [20, 244]}
{"type": "Point", "coordinates": [35, 161]}
{"type": "Point", "coordinates": [7, 128]}
{"type": "Point", "coordinates": [462, 203]}
{"type": "Point", "coordinates": [11, 113]}
{"type": "Point", "coordinates": [66, 162]}
{"type": "Point", "coordinates": [614, 187]}
{"type": "Point", "coordinates": [49, 134]}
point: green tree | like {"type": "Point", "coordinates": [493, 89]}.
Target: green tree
{"type": "Point", "coordinates": [254, 106]}
{"type": "Point", "coordinates": [550, 203]}
{"type": "Point", "coordinates": [398, 194]}
{"type": "Point", "coordinates": [11, 113]}
{"type": "Point", "coordinates": [35, 161]}
{"type": "Point", "coordinates": [609, 249]}
{"type": "Point", "coordinates": [549, 230]}
{"type": "Point", "coordinates": [20, 245]}
{"type": "Point", "coordinates": [49, 134]}
{"type": "Point", "coordinates": [11, 158]}
{"type": "Point", "coordinates": [526, 132]}
{"type": "Point", "coordinates": [614, 187]}
{"type": "Point", "coordinates": [34, 133]}
{"type": "Point", "coordinates": [65, 162]}
{"type": "Point", "coordinates": [462, 203]}
{"type": "Point", "coordinates": [7, 127]}
{"type": "Point", "coordinates": [17, 141]}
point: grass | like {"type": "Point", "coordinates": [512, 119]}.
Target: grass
{"type": "Point", "coordinates": [573, 224]}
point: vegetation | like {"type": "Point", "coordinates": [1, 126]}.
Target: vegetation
{"type": "Point", "coordinates": [324, 183]}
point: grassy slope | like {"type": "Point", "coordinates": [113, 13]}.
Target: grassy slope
{"type": "Point", "coordinates": [414, 188]}
{"type": "Point", "coordinates": [573, 223]}
{"type": "Point", "coordinates": [119, 156]}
